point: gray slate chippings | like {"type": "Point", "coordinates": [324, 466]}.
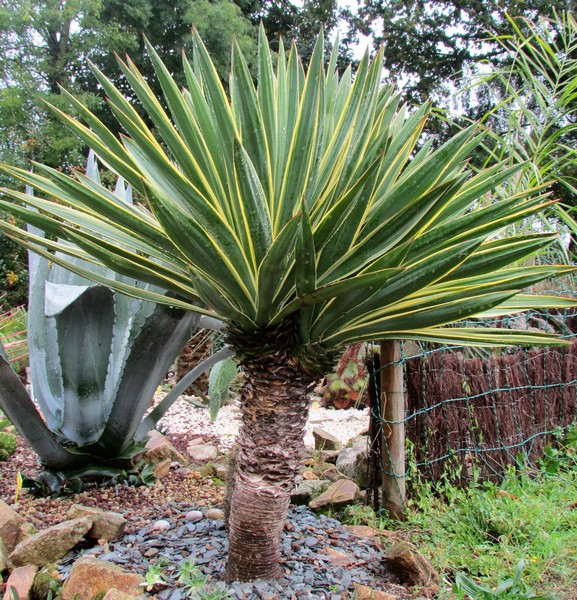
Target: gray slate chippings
{"type": "Point", "coordinates": [309, 573]}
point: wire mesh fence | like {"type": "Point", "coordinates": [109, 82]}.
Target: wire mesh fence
{"type": "Point", "coordinates": [475, 412]}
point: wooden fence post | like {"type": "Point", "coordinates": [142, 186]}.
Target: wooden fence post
{"type": "Point", "coordinates": [393, 440]}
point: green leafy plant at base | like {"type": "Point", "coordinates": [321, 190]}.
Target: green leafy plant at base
{"type": "Point", "coordinates": [187, 577]}
{"type": "Point", "coordinates": [154, 579]}
{"type": "Point", "coordinates": [561, 454]}
{"type": "Point", "coordinates": [8, 444]}
{"type": "Point", "coordinates": [8, 441]}
{"type": "Point", "coordinates": [361, 514]}
{"type": "Point", "coordinates": [214, 591]}
{"type": "Point", "coordinates": [106, 472]}
{"type": "Point", "coordinates": [487, 529]}
{"type": "Point", "coordinates": [512, 588]}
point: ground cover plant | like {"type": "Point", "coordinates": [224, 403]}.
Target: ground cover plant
{"type": "Point", "coordinates": [302, 213]}
{"type": "Point", "coordinates": [483, 536]}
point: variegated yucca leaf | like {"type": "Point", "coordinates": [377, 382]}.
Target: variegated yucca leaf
{"type": "Point", "coordinates": [299, 209]}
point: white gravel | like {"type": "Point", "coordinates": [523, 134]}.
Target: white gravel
{"type": "Point", "coordinates": [183, 417]}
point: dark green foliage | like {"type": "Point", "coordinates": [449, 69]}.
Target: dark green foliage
{"type": "Point", "coordinates": [8, 443]}
{"type": "Point", "coordinates": [113, 472]}
{"type": "Point", "coordinates": [430, 43]}
{"type": "Point", "coordinates": [13, 274]}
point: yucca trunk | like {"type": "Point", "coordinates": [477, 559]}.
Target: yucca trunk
{"type": "Point", "coordinates": [271, 447]}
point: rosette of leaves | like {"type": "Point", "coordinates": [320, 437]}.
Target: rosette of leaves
{"type": "Point", "coordinates": [96, 356]}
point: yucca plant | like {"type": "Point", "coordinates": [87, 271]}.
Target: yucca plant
{"type": "Point", "coordinates": [298, 211]}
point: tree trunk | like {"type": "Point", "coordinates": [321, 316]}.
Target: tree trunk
{"type": "Point", "coordinates": [271, 447]}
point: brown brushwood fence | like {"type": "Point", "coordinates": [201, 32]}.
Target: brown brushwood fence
{"type": "Point", "coordinates": [483, 415]}
{"type": "Point", "coordinates": [475, 413]}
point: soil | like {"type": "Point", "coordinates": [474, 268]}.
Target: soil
{"type": "Point", "coordinates": [140, 505]}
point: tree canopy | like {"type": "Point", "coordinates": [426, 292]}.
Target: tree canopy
{"type": "Point", "coordinates": [428, 43]}
{"type": "Point", "coordinates": [45, 44]}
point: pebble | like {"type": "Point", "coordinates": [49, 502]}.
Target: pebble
{"type": "Point", "coordinates": [193, 516]}
{"type": "Point", "coordinates": [216, 514]}
{"type": "Point", "coordinates": [160, 525]}
{"type": "Point", "coordinates": [308, 572]}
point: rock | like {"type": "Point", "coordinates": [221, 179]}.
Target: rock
{"type": "Point", "coordinates": [339, 494]}
{"type": "Point", "coordinates": [114, 594]}
{"type": "Point", "coordinates": [329, 456]}
{"type": "Point", "coordinates": [221, 471]}
{"type": "Point", "coordinates": [159, 448]}
{"type": "Point", "coordinates": [363, 592]}
{"type": "Point", "coordinates": [160, 525]}
{"type": "Point", "coordinates": [4, 563]}
{"type": "Point", "coordinates": [22, 580]}
{"type": "Point", "coordinates": [202, 453]}
{"type": "Point", "coordinates": [339, 559]}
{"type": "Point", "coordinates": [49, 545]}
{"type": "Point", "coordinates": [353, 462]}
{"type": "Point", "coordinates": [310, 475]}
{"type": "Point", "coordinates": [215, 514]}
{"type": "Point", "coordinates": [162, 468]}
{"type": "Point", "coordinates": [332, 474]}
{"type": "Point", "coordinates": [325, 440]}
{"type": "Point", "coordinates": [359, 440]}
{"type": "Point", "coordinates": [364, 531]}
{"type": "Point", "coordinates": [196, 442]}
{"type": "Point", "coordinates": [308, 489]}
{"type": "Point", "coordinates": [106, 525]}
{"type": "Point", "coordinates": [90, 578]}
{"type": "Point", "coordinates": [13, 528]}
{"type": "Point", "coordinates": [410, 565]}
{"type": "Point", "coordinates": [193, 516]}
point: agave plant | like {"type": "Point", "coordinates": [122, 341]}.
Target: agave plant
{"type": "Point", "coordinates": [299, 211]}
{"type": "Point", "coordinates": [96, 359]}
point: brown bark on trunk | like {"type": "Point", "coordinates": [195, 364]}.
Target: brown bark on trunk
{"type": "Point", "coordinates": [274, 409]}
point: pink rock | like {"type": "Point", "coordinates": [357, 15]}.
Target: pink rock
{"type": "Point", "coordinates": [21, 580]}
{"type": "Point", "coordinates": [13, 528]}
{"type": "Point", "coordinates": [159, 448]}
{"type": "Point", "coordinates": [90, 578]}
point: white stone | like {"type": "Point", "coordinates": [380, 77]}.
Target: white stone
{"type": "Point", "coordinates": [160, 525]}
{"type": "Point", "coordinates": [202, 453]}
